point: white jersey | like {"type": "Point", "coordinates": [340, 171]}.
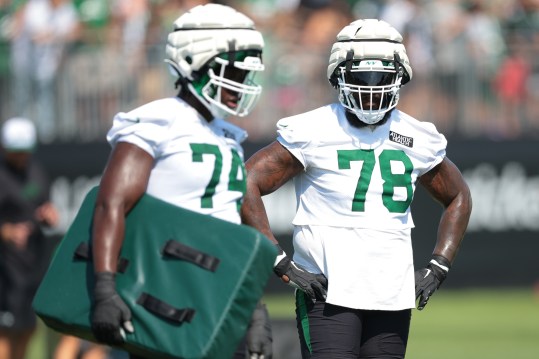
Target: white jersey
{"type": "Point", "coordinates": [353, 219]}
{"type": "Point", "coordinates": [198, 164]}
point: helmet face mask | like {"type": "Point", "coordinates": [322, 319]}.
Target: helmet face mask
{"type": "Point", "coordinates": [230, 88]}
{"type": "Point", "coordinates": [369, 88]}
{"type": "Point", "coordinates": [368, 65]}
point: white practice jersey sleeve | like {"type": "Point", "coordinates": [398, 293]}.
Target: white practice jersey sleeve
{"type": "Point", "coordinates": [198, 165]}
{"type": "Point", "coordinates": [353, 221]}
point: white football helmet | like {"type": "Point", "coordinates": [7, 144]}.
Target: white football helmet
{"type": "Point", "coordinates": [368, 64]}
{"type": "Point", "coordinates": [208, 41]}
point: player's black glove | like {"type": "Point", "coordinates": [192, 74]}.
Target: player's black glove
{"type": "Point", "coordinates": [259, 336]}
{"type": "Point", "coordinates": [314, 285]}
{"type": "Point", "coordinates": [428, 279]}
{"type": "Point", "coordinates": [110, 315]}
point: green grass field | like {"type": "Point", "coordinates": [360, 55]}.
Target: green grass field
{"type": "Point", "coordinates": [477, 324]}
{"type": "Point", "coordinates": [456, 324]}
{"type": "Point", "coordinates": [466, 324]}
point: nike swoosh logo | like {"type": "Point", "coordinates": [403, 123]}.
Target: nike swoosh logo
{"type": "Point", "coordinates": [426, 274]}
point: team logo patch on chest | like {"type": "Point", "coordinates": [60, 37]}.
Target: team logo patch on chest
{"type": "Point", "coordinates": [400, 139]}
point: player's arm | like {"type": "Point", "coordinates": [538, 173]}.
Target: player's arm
{"type": "Point", "coordinates": [268, 170]}
{"type": "Point", "coordinates": [123, 182]}
{"type": "Point", "coordinates": [445, 184]}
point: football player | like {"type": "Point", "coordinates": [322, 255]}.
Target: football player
{"type": "Point", "coordinates": [355, 165]}
{"type": "Point", "coordinates": [181, 150]}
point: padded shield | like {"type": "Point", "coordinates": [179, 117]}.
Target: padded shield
{"type": "Point", "coordinates": [191, 281]}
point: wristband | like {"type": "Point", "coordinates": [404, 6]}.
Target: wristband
{"type": "Point", "coordinates": [280, 256]}
{"type": "Point", "coordinates": [441, 262]}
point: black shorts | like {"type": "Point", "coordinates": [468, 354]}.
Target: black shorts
{"type": "Point", "coordinates": [330, 331]}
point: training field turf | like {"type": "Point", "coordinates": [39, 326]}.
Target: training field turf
{"type": "Point", "coordinates": [456, 324]}
{"type": "Point", "coordinates": [467, 324]}
{"type": "Point", "coordinates": [477, 325]}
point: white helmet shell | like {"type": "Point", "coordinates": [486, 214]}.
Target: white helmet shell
{"type": "Point", "coordinates": [206, 31]}
{"type": "Point", "coordinates": [369, 39]}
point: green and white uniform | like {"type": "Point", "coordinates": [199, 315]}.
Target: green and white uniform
{"type": "Point", "coordinates": [182, 142]}
{"type": "Point", "coordinates": [353, 220]}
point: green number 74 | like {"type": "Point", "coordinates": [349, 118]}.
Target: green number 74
{"type": "Point", "coordinates": [236, 177]}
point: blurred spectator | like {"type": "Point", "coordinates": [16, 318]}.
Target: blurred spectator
{"type": "Point", "coordinates": [486, 48]}
{"type": "Point", "coordinates": [448, 24]}
{"type": "Point", "coordinates": [130, 22]}
{"type": "Point", "coordinates": [510, 85]}
{"type": "Point", "coordinates": [522, 25]}
{"type": "Point", "coordinates": [456, 45]}
{"type": "Point", "coordinates": [366, 9]}
{"type": "Point", "coordinates": [131, 18]}
{"type": "Point", "coordinates": [25, 210]}
{"type": "Point", "coordinates": [6, 12]}
{"type": "Point", "coordinates": [94, 17]}
{"type": "Point", "coordinates": [42, 30]}
{"type": "Point", "coordinates": [398, 13]}
{"type": "Point", "coordinates": [412, 21]}
{"type": "Point", "coordinates": [70, 347]}
{"type": "Point", "coordinates": [298, 41]}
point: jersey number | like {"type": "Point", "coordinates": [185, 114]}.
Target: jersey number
{"type": "Point", "coordinates": [391, 180]}
{"type": "Point", "coordinates": [234, 184]}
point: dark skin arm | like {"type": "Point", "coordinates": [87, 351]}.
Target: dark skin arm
{"type": "Point", "coordinates": [267, 170]}
{"type": "Point", "coordinates": [123, 182]}
{"type": "Point", "coordinates": [446, 185]}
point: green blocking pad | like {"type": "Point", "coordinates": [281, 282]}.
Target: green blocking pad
{"type": "Point", "coordinates": [191, 281]}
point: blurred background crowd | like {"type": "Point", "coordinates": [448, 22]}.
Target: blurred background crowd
{"type": "Point", "coordinates": [72, 64]}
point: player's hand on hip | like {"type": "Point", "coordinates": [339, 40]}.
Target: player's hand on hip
{"type": "Point", "coordinates": [314, 285]}
{"type": "Point", "coordinates": [110, 315]}
{"type": "Point", "coordinates": [259, 335]}
{"type": "Point", "coordinates": [429, 279]}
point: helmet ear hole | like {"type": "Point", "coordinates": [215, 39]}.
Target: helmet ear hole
{"type": "Point", "coordinates": [333, 80]}
{"type": "Point", "coordinates": [200, 79]}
